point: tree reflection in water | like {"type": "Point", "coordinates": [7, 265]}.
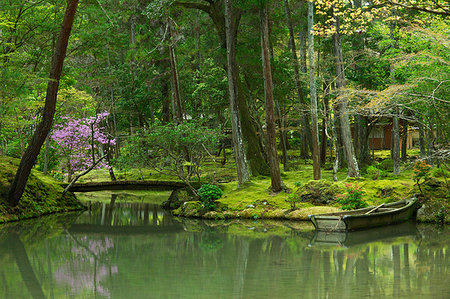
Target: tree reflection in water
{"type": "Point", "coordinates": [139, 251]}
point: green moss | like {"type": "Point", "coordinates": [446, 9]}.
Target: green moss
{"type": "Point", "coordinates": [42, 194]}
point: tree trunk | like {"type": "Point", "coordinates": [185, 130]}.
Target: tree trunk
{"type": "Point", "coordinates": [363, 139]}
{"type": "Point", "coordinates": [396, 143]}
{"type": "Point", "coordinates": [313, 92]}
{"type": "Point", "coordinates": [242, 171]}
{"type": "Point", "coordinates": [300, 94]}
{"type": "Point", "coordinates": [25, 268]}
{"type": "Point", "coordinates": [254, 150]}
{"type": "Point", "coordinates": [353, 170]}
{"type": "Point", "coordinates": [305, 146]}
{"type": "Point", "coordinates": [166, 115]}
{"type": "Point", "coordinates": [253, 147]}
{"type": "Point", "coordinates": [422, 143]}
{"type": "Point", "coordinates": [275, 174]}
{"type": "Point", "coordinates": [324, 137]}
{"type": "Point", "coordinates": [113, 108]}
{"type": "Point", "coordinates": [176, 99]}
{"type": "Point", "coordinates": [339, 150]}
{"type": "Point", "coordinates": [28, 159]}
{"type": "Point", "coordinates": [404, 140]}
{"type": "Point", "coordinates": [281, 122]}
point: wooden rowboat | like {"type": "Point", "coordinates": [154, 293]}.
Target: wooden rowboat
{"type": "Point", "coordinates": [381, 215]}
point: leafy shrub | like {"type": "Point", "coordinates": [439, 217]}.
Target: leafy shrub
{"type": "Point", "coordinates": [421, 172]}
{"type": "Point", "coordinates": [440, 172]}
{"type": "Point", "coordinates": [374, 172]}
{"type": "Point", "coordinates": [298, 184]}
{"type": "Point", "coordinates": [176, 149]}
{"type": "Point", "coordinates": [352, 199]}
{"type": "Point", "coordinates": [293, 199]}
{"type": "Point", "coordinates": [208, 195]}
{"type": "Point", "coordinates": [57, 175]}
{"type": "Point", "coordinates": [386, 164]}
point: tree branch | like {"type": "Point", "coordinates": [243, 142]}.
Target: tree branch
{"type": "Point", "coordinates": [444, 12]}
{"type": "Point", "coordinates": [81, 174]}
{"type": "Point", "coordinates": [200, 6]}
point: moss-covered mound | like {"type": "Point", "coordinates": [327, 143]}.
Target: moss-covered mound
{"type": "Point", "coordinates": [255, 201]}
{"type": "Point", "coordinates": [42, 194]}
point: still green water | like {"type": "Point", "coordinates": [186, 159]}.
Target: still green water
{"type": "Point", "coordinates": [136, 250]}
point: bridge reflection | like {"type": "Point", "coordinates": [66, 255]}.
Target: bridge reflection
{"type": "Point", "coordinates": [124, 218]}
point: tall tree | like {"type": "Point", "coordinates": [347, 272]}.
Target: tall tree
{"type": "Point", "coordinates": [253, 147]}
{"type": "Point", "coordinates": [272, 153]}
{"type": "Point", "coordinates": [298, 84]}
{"type": "Point", "coordinates": [313, 93]}
{"type": "Point", "coordinates": [174, 78]}
{"type": "Point", "coordinates": [28, 159]}
{"type": "Point", "coordinates": [353, 169]}
{"type": "Point", "coordinates": [241, 165]}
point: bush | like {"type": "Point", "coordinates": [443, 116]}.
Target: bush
{"type": "Point", "coordinates": [386, 164]}
{"type": "Point", "coordinates": [209, 194]}
{"type": "Point", "coordinates": [176, 149]}
{"type": "Point", "coordinates": [352, 199]}
{"type": "Point", "coordinates": [293, 199]}
{"type": "Point", "coordinates": [440, 173]}
{"type": "Point", "coordinates": [374, 172]}
{"type": "Point", "coordinates": [421, 172]}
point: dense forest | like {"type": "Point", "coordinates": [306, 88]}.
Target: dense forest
{"type": "Point", "coordinates": [171, 86]}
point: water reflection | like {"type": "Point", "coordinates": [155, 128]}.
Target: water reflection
{"type": "Point", "coordinates": [139, 251]}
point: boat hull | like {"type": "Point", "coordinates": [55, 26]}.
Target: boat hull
{"type": "Point", "coordinates": [351, 238]}
{"type": "Point", "coordinates": [359, 219]}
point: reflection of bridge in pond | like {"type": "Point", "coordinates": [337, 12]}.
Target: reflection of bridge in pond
{"type": "Point", "coordinates": [123, 230]}
{"type": "Point", "coordinates": [124, 219]}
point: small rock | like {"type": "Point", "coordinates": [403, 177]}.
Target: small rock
{"type": "Point", "coordinates": [250, 206]}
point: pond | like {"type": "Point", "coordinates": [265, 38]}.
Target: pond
{"type": "Point", "coordinates": [123, 249]}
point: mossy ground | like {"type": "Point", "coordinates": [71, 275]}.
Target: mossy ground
{"type": "Point", "coordinates": [254, 200]}
{"type": "Point", "coordinates": [42, 194]}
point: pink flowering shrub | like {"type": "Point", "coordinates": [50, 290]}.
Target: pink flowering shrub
{"type": "Point", "coordinates": [352, 199]}
{"type": "Point", "coordinates": [80, 142]}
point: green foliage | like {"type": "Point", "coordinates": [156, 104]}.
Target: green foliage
{"type": "Point", "coordinates": [208, 194]}
{"type": "Point", "coordinates": [175, 149]}
{"type": "Point", "coordinates": [374, 172]}
{"type": "Point", "coordinates": [293, 199]}
{"type": "Point", "coordinates": [440, 215]}
{"type": "Point", "coordinates": [352, 199]}
{"type": "Point", "coordinates": [210, 242]}
{"type": "Point", "coordinates": [386, 164]}
{"type": "Point", "coordinates": [421, 172]}
{"type": "Point", "coordinates": [440, 173]}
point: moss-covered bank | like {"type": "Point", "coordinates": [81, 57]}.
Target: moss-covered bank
{"type": "Point", "coordinates": [254, 201]}
{"type": "Point", "coordinates": [42, 194]}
